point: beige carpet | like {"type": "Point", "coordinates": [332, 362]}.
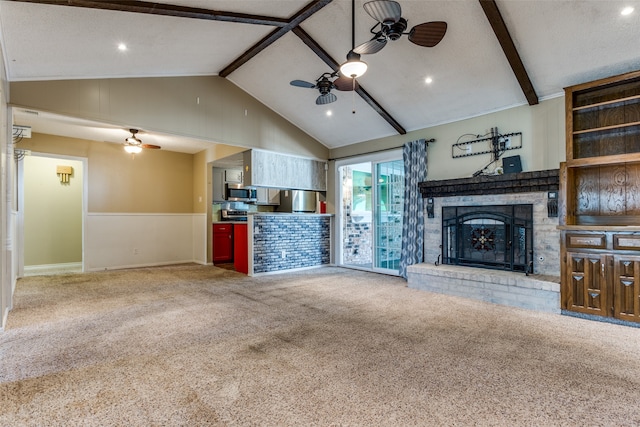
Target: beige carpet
{"type": "Point", "coordinates": [198, 345]}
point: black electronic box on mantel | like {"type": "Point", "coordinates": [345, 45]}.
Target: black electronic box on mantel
{"type": "Point", "coordinates": [511, 164]}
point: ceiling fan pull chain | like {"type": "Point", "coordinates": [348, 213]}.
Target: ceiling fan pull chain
{"type": "Point", "coordinates": [353, 96]}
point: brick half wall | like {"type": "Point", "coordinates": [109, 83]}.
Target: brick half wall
{"type": "Point", "coordinates": [285, 242]}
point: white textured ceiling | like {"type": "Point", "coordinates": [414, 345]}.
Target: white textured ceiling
{"type": "Point", "coordinates": [560, 42]}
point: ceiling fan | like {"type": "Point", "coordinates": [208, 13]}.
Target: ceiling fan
{"type": "Point", "coordinates": [388, 13]}
{"type": "Point", "coordinates": [134, 145]}
{"type": "Point", "coordinates": [324, 84]}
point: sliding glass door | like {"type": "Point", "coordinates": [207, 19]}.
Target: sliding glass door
{"type": "Point", "coordinates": [388, 219]}
{"type": "Point", "coordinates": [371, 215]}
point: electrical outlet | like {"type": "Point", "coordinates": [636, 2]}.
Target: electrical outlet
{"type": "Point", "coordinates": [284, 254]}
{"type": "Point", "coordinates": [507, 142]}
{"type": "Point", "coordinates": [135, 251]}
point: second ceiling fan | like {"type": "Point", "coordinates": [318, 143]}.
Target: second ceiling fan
{"type": "Point", "coordinates": [388, 13]}
{"type": "Point", "coordinates": [324, 84]}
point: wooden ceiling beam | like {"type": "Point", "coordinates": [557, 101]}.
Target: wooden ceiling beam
{"type": "Point", "coordinates": [164, 9]}
{"type": "Point", "coordinates": [502, 33]}
{"type": "Point", "coordinates": [322, 54]}
{"type": "Point", "coordinates": [293, 23]}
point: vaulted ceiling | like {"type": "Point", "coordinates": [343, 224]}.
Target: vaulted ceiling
{"type": "Point", "coordinates": [494, 55]}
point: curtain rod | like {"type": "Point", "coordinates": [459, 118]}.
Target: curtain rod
{"type": "Point", "coordinates": [378, 151]}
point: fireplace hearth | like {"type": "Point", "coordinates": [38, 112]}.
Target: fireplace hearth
{"type": "Point", "coordinates": [489, 239]}
{"type": "Point", "coordinates": [489, 236]}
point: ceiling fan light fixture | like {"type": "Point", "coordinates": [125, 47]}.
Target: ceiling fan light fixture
{"type": "Point", "coordinates": [354, 67]}
{"type": "Point", "coordinates": [132, 149]}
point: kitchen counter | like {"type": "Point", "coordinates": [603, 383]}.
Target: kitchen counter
{"type": "Point", "coordinates": [229, 222]}
{"type": "Point", "coordinates": [288, 213]}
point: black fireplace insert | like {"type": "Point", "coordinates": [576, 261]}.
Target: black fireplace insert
{"type": "Point", "coordinates": [492, 236]}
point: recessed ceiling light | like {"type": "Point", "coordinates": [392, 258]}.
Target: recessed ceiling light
{"type": "Point", "coordinates": [627, 11]}
{"type": "Point", "coordinates": [122, 47]}
{"type": "Point", "coordinates": [428, 80]}
{"type": "Point", "coordinates": [329, 113]}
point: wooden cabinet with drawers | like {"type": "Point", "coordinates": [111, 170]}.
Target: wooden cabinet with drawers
{"type": "Point", "coordinates": [601, 273]}
{"type": "Point", "coordinates": [599, 207]}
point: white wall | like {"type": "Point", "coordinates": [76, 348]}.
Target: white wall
{"type": "Point", "coordinates": [7, 274]}
{"type": "Point", "coordinates": [127, 240]}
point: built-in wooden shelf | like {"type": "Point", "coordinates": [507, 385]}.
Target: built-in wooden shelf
{"type": "Point", "coordinates": [602, 128]}
{"type": "Point", "coordinates": [605, 103]}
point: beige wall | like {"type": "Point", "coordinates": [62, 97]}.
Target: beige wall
{"type": "Point", "coordinates": [52, 212]}
{"type": "Point", "coordinates": [206, 107]}
{"type": "Point", "coordinates": [543, 140]}
{"type": "Point", "coordinates": [154, 181]}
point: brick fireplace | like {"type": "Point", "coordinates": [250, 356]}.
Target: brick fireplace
{"type": "Point", "coordinates": [532, 280]}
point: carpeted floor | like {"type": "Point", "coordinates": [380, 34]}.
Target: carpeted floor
{"type": "Point", "coordinates": [200, 345]}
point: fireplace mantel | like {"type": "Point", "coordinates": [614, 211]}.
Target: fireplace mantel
{"type": "Point", "coordinates": [523, 182]}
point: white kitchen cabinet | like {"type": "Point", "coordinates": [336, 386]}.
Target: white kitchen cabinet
{"type": "Point", "coordinates": [275, 170]}
{"type": "Point", "coordinates": [233, 175]}
{"type": "Point", "coordinates": [218, 185]}
{"type": "Point", "coordinates": [268, 196]}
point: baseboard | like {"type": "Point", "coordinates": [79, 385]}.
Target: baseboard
{"type": "Point", "coordinates": [5, 316]}
{"type": "Point", "coordinates": [290, 270]}
{"type": "Point", "coordinates": [44, 269]}
{"type": "Point", "coordinates": [600, 318]}
{"type": "Point", "coordinates": [144, 265]}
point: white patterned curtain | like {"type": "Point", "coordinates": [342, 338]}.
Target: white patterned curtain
{"type": "Point", "coordinates": [414, 154]}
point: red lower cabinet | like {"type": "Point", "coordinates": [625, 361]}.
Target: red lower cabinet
{"type": "Point", "coordinates": [240, 248]}
{"type": "Point", "coordinates": [222, 243]}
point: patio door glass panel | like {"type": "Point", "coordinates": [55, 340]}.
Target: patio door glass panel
{"type": "Point", "coordinates": [371, 226]}
{"type": "Point", "coordinates": [388, 218]}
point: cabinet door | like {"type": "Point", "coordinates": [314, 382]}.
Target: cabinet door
{"type": "Point", "coordinates": [240, 248]}
{"type": "Point", "coordinates": [586, 288]}
{"type": "Point", "coordinates": [217, 184]}
{"type": "Point", "coordinates": [267, 196]}
{"type": "Point", "coordinates": [233, 175]}
{"type": "Point", "coordinates": [626, 300]}
{"type": "Point", "coordinates": [262, 197]}
{"type": "Point", "coordinates": [222, 243]}
{"type": "Point", "coordinates": [274, 196]}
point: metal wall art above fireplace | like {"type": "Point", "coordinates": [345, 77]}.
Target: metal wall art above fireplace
{"type": "Point", "coordinates": [492, 236]}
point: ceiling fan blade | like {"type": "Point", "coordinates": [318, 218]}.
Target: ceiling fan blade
{"type": "Point", "coordinates": [385, 11]}
{"type": "Point", "coordinates": [372, 46]}
{"type": "Point", "coordinates": [345, 83]}
{"type": "Point", "coordinates": [428, 34]}
{"type": "Point", "coordinates": [151, 146]}
{"type": "Point", "coordinates": [326, 99]}
{"type": "Point", "coordinates": [302, 83]}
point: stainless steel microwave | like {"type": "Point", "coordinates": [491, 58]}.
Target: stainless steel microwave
{"type": "Point", "coordinates": [238, 193]}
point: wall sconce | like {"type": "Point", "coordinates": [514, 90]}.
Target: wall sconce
{"type": "Point", "coordinates": [64, 172]}
{"type": "Point", "coordinates": [430, 213]}
{"type": "Point", "coordinates": [552, 204]}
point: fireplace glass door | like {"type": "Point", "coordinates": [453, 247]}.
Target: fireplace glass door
{"type": "Point", "coordinates": [371, 220]}
{"type": "Point", "coordinates": [498, 236]}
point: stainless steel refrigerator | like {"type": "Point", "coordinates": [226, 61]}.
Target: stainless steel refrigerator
{"type": "Point", "coordinates": [298, 201]}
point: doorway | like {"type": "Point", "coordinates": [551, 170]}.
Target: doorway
{"type": "Point", "coordinates": [51, 207]}
{"type": "Point", "coordinates": [371, 203]}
